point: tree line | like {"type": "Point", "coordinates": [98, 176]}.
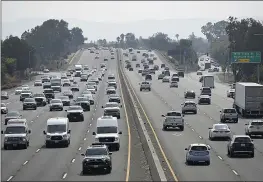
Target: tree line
{"type": "Point", "coordinates": [234, 35]}
{"type": "Point", "coordinates": [38, 47]}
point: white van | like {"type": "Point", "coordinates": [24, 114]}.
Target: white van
{"type": "Point", "coordinates": [108, 132]}
{"type": "Point", "coordinates": [58, 132]}
{"type": "Point", "coordinates": [18, 121]}
{"type": "Point", "coordinates": [16, 135]}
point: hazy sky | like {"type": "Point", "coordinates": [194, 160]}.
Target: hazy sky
{"type": "Point", "coordinates": [127, 11]}
{"type": "Point", "coordinates": [18, 16]}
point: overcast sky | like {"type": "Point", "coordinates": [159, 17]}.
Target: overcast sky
{"type": "Point", "coordinates": [117, 11]}
{"type": "Point", "coordinates": [126, 11]}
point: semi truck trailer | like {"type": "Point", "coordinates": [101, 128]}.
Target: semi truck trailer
{"type": "Point", "coordinates": [249, 99]}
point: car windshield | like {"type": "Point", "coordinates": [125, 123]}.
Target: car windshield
{"type": "Point", "coordinates": [242, 140]}
{"type": "Point", "coordinates": [56, 128]}
{"type": "Point", "coordinates": [86, 92]}
{"type": "Point", "coordinates": [112, 104]}
{"type": "Point", "coordinates": [257, 123]}
{"type": "Point", "coordinates": [29, 100]}
{"type": "Point", "coordinates": [73, 108]}
{"type": "Point", "coordinates": [199, 148]}
{"type": "Point", "coordinates": [12, 113]}
{"type": "Point", "coordinates": [81, 99]}
{"type": "Point", "coordinates": [19, 88]}
{"type": "Point", "coordinates": [229, 111]}
{"type": "Point", "coordinates": [221, 127]}
{"type": "Point", "coordinates": [91, 83]}
{"type": "Point", "coordinates": [63, 97]}
{"type": "Point", "coordinates": [90, 87]}
{"type": "Point", "coordinates": [173, 114]}
{"type": "Point", "coordinates": [106, 129]}
{"type": "Point", "coordinates": [96, 151]}
{"type": "Point", "coordinates": [189, 104]}
{"type": "Point", "coordinates": [3, 105]}
{"type": "Point", "coordinates": [15, 130]}
{"type": "Point", "coordinates": [48, 91]}
{"type": "Point", "coordinates": [55, 101]}
{"type": "Point", "coordinates": [39, 95]}
{"type": "Point", "coordinates": [25, 95]}
{"type": "Point", "coordinates": [145, 82]}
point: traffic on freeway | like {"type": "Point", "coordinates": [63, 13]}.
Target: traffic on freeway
{"type": "Point", "coordinates": [127, 114]}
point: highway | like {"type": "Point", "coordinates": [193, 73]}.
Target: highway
{"type": "Point", "coordinates": [162, 98]}
{"type": "Point", "coordinates": [37, 163]}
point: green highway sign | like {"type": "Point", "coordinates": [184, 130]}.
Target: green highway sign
{"type": "Point", "coordinates": [246, 57]}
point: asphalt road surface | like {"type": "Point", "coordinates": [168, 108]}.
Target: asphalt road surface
{"type": "Point", "coordinates": [162, 98]}
{"type": "Point", "coordinates": [38, 163]}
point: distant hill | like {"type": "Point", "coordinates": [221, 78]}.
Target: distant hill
{"type": "Point", "coordinates": [97, 30]}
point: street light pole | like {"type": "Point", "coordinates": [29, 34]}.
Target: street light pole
{"type": "Point", "coordinates": [258, 65]}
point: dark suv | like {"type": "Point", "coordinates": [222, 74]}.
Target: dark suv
{"type": "Point", "coordinates": [189, 94]}
{"type": "Point", "coordinates": [240, 144]}
{"type": "Point", "coordinates": [97, 157]}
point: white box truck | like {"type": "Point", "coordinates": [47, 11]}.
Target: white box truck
{"type": "Point", "coordinates": [78, 67]}
{"type": "Point", "coordinates": [208, 81]}
{"type": "Point", "coordinates": [249, 99]}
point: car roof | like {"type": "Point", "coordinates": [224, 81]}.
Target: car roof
{"type": "Point", "coordinates": [56, 99]}
{"type": "Point", "coordinates": [57, 120]}
{"type": "Point", "coordinates": [107, 121]}
{"type": "Point", "coordinates": [189, 101]}
{"type": "Point", "coordinates": [220, 124]}
{"type": "Point", "coordinates": [237, 136]}
{"type": "Point", "coordinates": [96, 146]}
{"type": "Point", "coordinates": [112, 103]}
{"type": "Point", "coordinates": [256, 121]}
{"type": "Point", "coordinates": [204, 96]}
{"type": "Point", "coordinates": [198, 144]}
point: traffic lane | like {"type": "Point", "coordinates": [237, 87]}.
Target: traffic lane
{"type": "Point", "coordinates": [119, 158]}
{"type": "Point", "coordinates": [213, 110]}
{"type": "Point", "coordinates": [219, 101]}
{"type": "Point", "coordinates": [176, 153]}
{"type": "Point", "coordinates": [35, 140]}
{"type": "Point", "coordinates": [52, 159]}
{"type": "Point", "coordinates": [202, 130]}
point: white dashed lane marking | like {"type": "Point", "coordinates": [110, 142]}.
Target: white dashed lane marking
{"type": "Point", "coordinates": [25, 163]}
{"type": "Point", "coordinates": [37, 150]}
{"type": "Point", "coordinates": [235, 172]}
{"type": "Point", "coordinates": [73, 160]}
{"type": "Point", "coordinates": [64, 176]}
{"type": "Point", "coordinates": [79, 148]}
{"type": "Point", "coordinates": [85, 138]}
{"type": "Point", "coordinates": [9, 178]}
{"type": "Point", "coordinates": [220, 157]}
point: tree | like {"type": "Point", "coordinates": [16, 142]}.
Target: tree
{"type": "Point", "coordinates": [242, 37]}
{"type": "Point", "coordinates": [214, 31]}
{"type": "Point", "coordinates": [177, 37]}
{"type": "Point", "coordinates": [118, 39]}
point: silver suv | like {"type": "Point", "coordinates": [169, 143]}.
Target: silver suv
{"type": "Point", "coordinates": [228, 114]}
{"type": "Point", "coordinates": [145, 86]}
{"type": "Point", "coordinates": [254, 127]}
{"type": "Point", "coordinates": [189, 106]}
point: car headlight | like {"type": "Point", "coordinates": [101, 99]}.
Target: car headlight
{"type": "Point", "coordinates": [116, 139]}
{"type": "Point", "coordinates": [96, 139]}
{"type": "Point", "coordinates": [24, 139]}
{"type": "Point", "coordinates": [48, 136]}
{"type": "Point", "coordinates": [6, 139]}
{"type": "Point", "coordinates": [65, 136]}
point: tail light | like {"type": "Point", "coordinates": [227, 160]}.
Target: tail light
{"type": "Point", "coordinates": [215, 131]}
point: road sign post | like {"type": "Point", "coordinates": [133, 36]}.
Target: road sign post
{"type": "Point", "coordinates": [247, 57]}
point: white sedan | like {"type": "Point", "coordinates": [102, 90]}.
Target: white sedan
{"type": "Point", "coordinates": [166, 79]}
{"type": "Point", "coordinates": [219, 131]}
{"type": "Point", "coordinates": [231, 93]}
{"type": "Point", "coordinates": [18, 90]}
{"type": "Point", "coordinates": [91, 89]}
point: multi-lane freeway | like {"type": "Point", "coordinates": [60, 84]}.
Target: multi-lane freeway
{"type": "Point", "coordinates": [132, 162]}
{"type": "Point", "coordinates": [162, 99]}
{"type": "Point", "coordinates": [38, 163]}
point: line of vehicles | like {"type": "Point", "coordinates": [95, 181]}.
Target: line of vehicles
{"type": "Point", "coordinates": [58, 131]}
{"type": "Point", "coordinates": [237, 144]}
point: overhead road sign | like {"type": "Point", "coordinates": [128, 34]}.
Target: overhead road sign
{"type": "Point", "coordinates": [246, 57]}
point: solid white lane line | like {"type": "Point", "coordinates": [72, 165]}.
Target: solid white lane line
{"type": "Point", "coordinates": [9, 178]}
{"type": "Point", "coordinates": [25, 163]}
